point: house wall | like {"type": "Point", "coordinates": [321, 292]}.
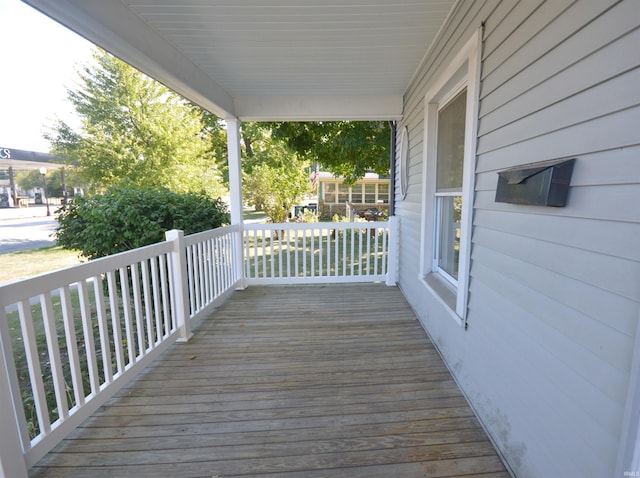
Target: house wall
{"type": "Point", "coordinates": [554, 293]}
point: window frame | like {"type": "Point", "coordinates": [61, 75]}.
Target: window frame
{"type": "Point", "coordinates": [462, 72]}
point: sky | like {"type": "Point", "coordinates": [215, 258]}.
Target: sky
{"type": "Point", "coordinates": [38, 63]}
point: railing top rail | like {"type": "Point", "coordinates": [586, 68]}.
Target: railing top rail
{"type": "Point", "coordinates": [314, 225]}
{"type": "Point", "coordinates": [201, 236]}
{"type": "Point", "coordinates": [26, 288]}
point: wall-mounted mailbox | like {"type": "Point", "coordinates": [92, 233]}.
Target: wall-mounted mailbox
{"type": "Point", "coordinates": [545, 183]}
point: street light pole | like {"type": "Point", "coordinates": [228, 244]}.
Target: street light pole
{"type": "Point", "coordinates": [43, 171]}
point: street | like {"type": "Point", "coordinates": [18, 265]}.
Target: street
{"type": "Point", "coordinates": [22, 229]}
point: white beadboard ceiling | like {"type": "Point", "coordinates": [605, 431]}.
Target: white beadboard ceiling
{"type": "Point", "coordinates": [268, 59]}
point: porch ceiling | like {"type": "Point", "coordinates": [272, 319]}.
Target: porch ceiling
{"type": "Point", "coordinates": [268, 59]}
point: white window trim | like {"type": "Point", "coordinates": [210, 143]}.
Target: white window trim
{"type": "Point", "coordinates": [463, 71]}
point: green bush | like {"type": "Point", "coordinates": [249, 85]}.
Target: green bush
{"type": "Point", "coordinates": [125, 218]}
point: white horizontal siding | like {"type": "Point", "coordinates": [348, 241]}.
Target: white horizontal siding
{"type": "Point", "coordinates": [549, 50]}
{"type": "Point", "coordinates": [606, 237]}
{"type": "Point", "coordinates": [601, 100]}
{"type": "Point", "coordinates": [552, 402]}
{"type": "Point", "coordinates": [554, 292]}
{"type": "Point", "coordinates": [610, 167]}
{"type": "Point", "coordinates": [596, 202]}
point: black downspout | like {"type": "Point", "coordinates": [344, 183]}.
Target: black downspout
{"type": "Point", "coordinates": [392, 161]}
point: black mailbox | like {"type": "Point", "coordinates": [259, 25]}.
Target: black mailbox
{"type": "Point", "coordinates": [545, 183]}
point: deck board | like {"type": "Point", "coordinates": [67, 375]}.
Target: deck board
{"type": "Point", "coordinates": [305, 381]}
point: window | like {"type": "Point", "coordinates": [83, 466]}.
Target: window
{"type": "Point", "coordinates": [370, 193]}
{"type": "Point", "coordinates": [329, 192]}
{"type": "Point", "coordinates": [449, 166]}
{"type": "Point", "coordinates": [356, 193]}
{"type": "Point", "coordinates": [451, 111]}
{"type": "Point", "coordinates": [383, 193]}
{"type": "Point", "coordinates": [343, 193]}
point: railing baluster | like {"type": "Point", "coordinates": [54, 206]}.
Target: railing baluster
{"type": "Point", "coordinates": [103, 330]}
{"type": "Point", "coordinates": [115, 320]}
{"type": "Point", "coordinates": [255, 254]}
{"type": "Point", "coordinates": [87, 331]}
{"type": "Point", "coordinates": [336, 261]}
{"type": "Point", "coordinates": [147, 304]}
{"type": "Point", "coordinates": [304, 253]}
{"type": "Point", "coordinates": [126, 310]}
{"type": "Point", "coordinates": [201, 281]}
{"type": "Point", "coordinates": [166, 311]}
{"type": "Point", "coordinates": [53, 351]}
{"type": "Point", "coordinates": [72, 346]}
{"type": "Point", "coordinates": [360, 260]}
{"type": "Point", "coordinates": [264, 253]}
{"type": "Point", "coordinates": [295, 252]}
{"type": "Point", "coordinates": [137, 304]}
{"type": "Point", "coordinates": [369, 251]}
{"type": "Point", "coordinates": [333, 230]}
{"type": "Point", "coordinates": [320, 262]}
{"type": "Point", "coordinates": [216, 279]}
{"type": "Point", "coordinates": [272, 266]}
{"type": "Point", "coordinates": [191, 279]}
{"type": "Point", "coordinates": [208, 271]}
{"type": "Point", "coordinates": [352, 232]}
{"type": "Point", "coordinates": [33, 364]}
{"type": "Point", "coordinates": [156, 299]}
{"type": "Point", "coordinates": [228, 268]}
{"type": "Point", "coordinates": [375, 248]}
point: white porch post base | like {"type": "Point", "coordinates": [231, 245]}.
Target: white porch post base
{"type": "Point", "coordinates": [180, 282]}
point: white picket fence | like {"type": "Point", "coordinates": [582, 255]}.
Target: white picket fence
{"type": "Point", "coordinates": [82, 333]}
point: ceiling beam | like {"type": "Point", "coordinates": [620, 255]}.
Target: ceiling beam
{"type": "Point", "coordinates": [334, 108]}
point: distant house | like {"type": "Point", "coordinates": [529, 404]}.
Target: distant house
{"type": "Point", "coordinates": [370, 191]}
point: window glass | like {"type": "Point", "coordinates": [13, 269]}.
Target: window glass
{"type": "Point", "coordinates": [329, 192]}
{"type": "Point", "coordinates": [343, 193]}
{"type": "Point", "coordinates": [370, 193]}
{"type": "Point", "coordinates": [450, 162]}
{"type": "Point", "coordinates": [383, 193]}
{"type": "Point", "coordinates": [450, 213]}
{"type": "Point", "coordinates": [356, 193]}
{"type": "Point", "coordinates": [450, 158]}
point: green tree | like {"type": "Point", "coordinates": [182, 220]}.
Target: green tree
{"type": "Point", "coordinates": [345, 148]}
{"type": "Point", "coordinates": [135, 128]}
{"type": "Point", "coordinates": [277, 180]}
{"type": "Point", "coordinates": [32, 179]}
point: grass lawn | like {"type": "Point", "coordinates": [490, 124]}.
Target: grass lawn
{"type": "Point", "coordinates": [23, 264]}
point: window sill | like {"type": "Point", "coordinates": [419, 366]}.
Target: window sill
{"type": "Point", "coordinates": [444, 293]}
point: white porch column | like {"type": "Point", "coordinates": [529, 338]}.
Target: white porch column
{"type": "Point", "coordinates": [235, 194]}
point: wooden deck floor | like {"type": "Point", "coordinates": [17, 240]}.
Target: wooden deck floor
{"type": "Point", "coordinates": [308, 381]}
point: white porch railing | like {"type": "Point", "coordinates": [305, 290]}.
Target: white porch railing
{"type": "Point", "coordinates": [320, 252]}
{"type": "Point", "coordinates": [72, 338]}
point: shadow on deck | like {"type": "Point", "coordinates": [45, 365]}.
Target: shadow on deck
{"type": "Point", "coordinates": [304, 381]}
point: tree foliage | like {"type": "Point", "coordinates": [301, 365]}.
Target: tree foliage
{"type": "Point", "coordinates": [277, 180]}
{"type": "Point", "coordinates": [32, 179]}
{"type": "Point", "coordinates": [345, 148]}
{"type": "Point", "coordinates": [126, 217]}
{"type": "Point", "coordinates": [135, 128]}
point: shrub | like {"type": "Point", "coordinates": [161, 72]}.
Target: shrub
{"type": "Point", "coordinates": [126, 217]}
